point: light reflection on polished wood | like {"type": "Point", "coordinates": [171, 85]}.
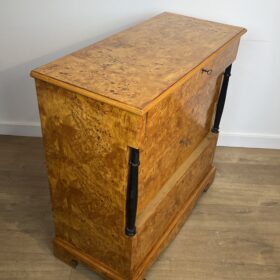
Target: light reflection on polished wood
{"type": "Point", "coordinates": [87, 138]}
{"type": "Point", "coordinates": [131, 69]}
{"type": "Point", "coordinates": [79, 193]}
{"type": "Point", "coordinates": [233, 231]}
{"type": "Point", "coordinates": [178, 123]}
{"type": "Point", "coordinates": [86, 144]}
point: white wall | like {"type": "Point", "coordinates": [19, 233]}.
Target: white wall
{"type": "Point", "coordinates": [34, 32]}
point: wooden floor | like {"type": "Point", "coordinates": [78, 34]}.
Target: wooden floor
{"type": "Point", "coordinates": [233, 233]}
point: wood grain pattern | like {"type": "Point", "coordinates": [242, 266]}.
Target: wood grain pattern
{"type": "Point", "coordinates": [168, 207]}
{"type": "Point", "coordinates": [233, 231]}
{"type": "Point", "coordinates": [86, 145]}
{"type": "Point", "coordinates": [184, 119]}
{"type": "Point", "coordinates": [88, 180]}
{"type": "Point", "coordinates": [160, 222]}
{"type": "Point", "coordinates": [136, 66]}
{"type": "Point", "coordinates": [167, 109]}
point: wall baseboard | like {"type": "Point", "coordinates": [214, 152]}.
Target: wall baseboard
{"type": "Point", "coordinates": [21, 128]}
{"type": "Point", "coordinates": [249, 140]}
{"type": "Point", "coordinates": [229, 139]}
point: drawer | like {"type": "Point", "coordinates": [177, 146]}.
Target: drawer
{"type": "Point", "coordinates": [211, 68]}
{"type": "Point", "coordinates": [168, 205]}
{"type": "Point", "coordinates": [177, 124]}
{"type": "Point", "coordinates": [216, 64]}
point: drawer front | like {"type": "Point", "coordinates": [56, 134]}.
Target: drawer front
{"type": "Point", "coordinates": [216, 64]}
{"type": "Point", "coordinates": [158, 217]}
{"type": "Point", "coordinates": [178, 123]}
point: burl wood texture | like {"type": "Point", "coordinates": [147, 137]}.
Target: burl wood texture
{"type": "Point", "coordinates": [86, 145]}
{"type": "Point", "coordinates": [233, 232]}
{"type": "Point", "coordinates": [178, 123]}
{"type": "Point", "coordinates": [163, 219]}
{"type": "Point", "coordinates": [155, 71]}
{"type": "Point", "coordinates": [136, 66]}
{"type": "Point", "coordinates": [171, 203]}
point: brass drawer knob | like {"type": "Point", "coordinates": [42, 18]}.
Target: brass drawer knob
{"type": "Point", "coordinates": [207, 71]}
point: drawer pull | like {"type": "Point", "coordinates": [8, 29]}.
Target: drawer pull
{"type": "Point", "coordinates": [185, 142]}
{"type": "Point", "coordinates": [207, 71]}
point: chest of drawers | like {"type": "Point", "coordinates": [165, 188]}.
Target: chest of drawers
{"type": "Point", "coordinates": [130, 126]}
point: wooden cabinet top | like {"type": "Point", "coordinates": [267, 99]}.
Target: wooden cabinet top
{"type": "Point", "coordinates": [133, 68]}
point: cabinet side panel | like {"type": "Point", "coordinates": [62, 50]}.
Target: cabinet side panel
{"type": "Point", "coordinates": [178, 123]}
{"type": "Point", "coordinates": [86, 145]}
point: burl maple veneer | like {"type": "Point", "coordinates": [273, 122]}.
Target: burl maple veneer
{"type": "Point", "coordinates": [152, 94]}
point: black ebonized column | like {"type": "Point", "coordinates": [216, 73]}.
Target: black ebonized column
{"type": "Point", "coordinates": [221, 101]}
{"type": "Point", "coordinates": [132, 193]}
